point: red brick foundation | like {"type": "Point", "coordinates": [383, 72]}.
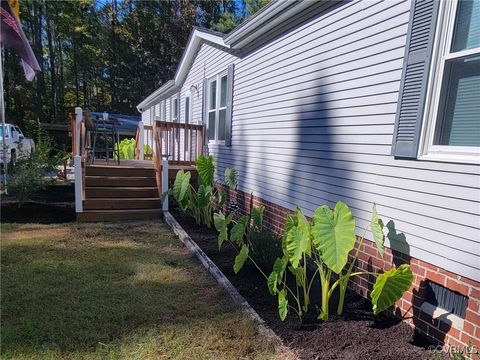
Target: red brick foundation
{"type": "Point", "coordinates": [409, 306]}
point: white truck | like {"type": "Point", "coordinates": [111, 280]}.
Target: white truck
{"type": "Point", "coordinates": [16, 144]}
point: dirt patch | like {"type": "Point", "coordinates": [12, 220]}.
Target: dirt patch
{"type": "Point", "coordinates": [55, 204]}
{"type": "Point", "coordinates": [357, 335]}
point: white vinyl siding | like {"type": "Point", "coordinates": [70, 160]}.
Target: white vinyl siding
{"type": "Point", "coordinates": [313, 120]}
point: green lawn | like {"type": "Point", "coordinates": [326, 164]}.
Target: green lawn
{"type": "Point", "coordinates": [83, 291]}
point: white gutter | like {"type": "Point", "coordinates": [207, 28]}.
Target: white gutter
{"type": "Point", "coordinates": [271, 16]}
{"type": "Point", "coordinates": [153, 96]}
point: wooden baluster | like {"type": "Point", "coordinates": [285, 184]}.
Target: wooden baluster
{"type": "Point", "coordinates": [190, 142]}
{"type": "Point", "coordinates": [185, 143]}
{"type": "Point", "coordinates": [178, 143]}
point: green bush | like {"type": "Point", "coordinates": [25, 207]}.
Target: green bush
{"type": "Point", "coordinates": [199, 202]}
{"type": "Point", "coordinates": [28, 175]}
{"type": "Point", "coordinates": [265, 248]}
{"type": "Point", "coordinates": [127, 149]}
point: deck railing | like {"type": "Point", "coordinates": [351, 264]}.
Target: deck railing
{"type": "Point", "coordinates": [178, 143]}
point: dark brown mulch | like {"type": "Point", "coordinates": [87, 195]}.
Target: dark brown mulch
{"type": "Point", "coordinates": [358, 335]}
{"type": "Point", "coordinates": [55, 204]}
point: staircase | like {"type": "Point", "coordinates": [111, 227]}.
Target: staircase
{"type": "Point", "coordinates": [124, 192]}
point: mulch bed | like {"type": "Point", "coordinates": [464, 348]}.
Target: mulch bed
{"type": "Point", "coordinates": [55, 204]}
{"type": "Point", "coordinates": [357, 335]}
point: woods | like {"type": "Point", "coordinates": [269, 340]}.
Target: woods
{"type": "Point", "coordinates": [105, 55]}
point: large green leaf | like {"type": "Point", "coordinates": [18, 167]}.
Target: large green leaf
{"type": "Point", "coordinates": [376, 224]}
{"type": "Point", "coordinates": [206, 169]}
{"type": "Point", "coordinates": [202, 196]}
{"type": "Point", "coordinates": [289, 224]}
{"type": "Point", "coordinates": [272, 282]}
{"type": "Point", "coordinates": [297, 240]}
{"type": "Point", "coordinates": [222, 197]}
{"type": "Point", "coordinates": [181, 185]}
{"type": "Point", "coordinates": [238, 230]}
{"type": "Point", "coordinates": [257, 216]}
{"type": "Point", "coordinates": [282, 304]}
{"type": "Point", "coordinates": [390, 286]}
{"type": "Point", "coordinates": [280, 265]}
{"type": "Point", "coordinates": [231, 177]}
{"type": "Point", "coordinates": [298, 273]}
{"type": "Point", "coordinates": [221, 224]}
{"type": "Point", "coordinates": [240, 259]}
{"type": "Point", "coordinates": [276, 276]}
{"type": "Point", "coordinates": [334, 234]}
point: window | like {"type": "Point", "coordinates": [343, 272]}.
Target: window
{"type": "Point", "coordinates": [453, 121]}
{"type": "Point", "coordinates": [217, 107]}
{"type": "Point", "coordinates": [187, 108]}
{"type": "Point", "coordinates": [174, 109]}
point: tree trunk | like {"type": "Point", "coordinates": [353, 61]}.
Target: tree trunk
{"type": "Point", "coordinates": [53, 73]}
{"type": "Point", "coordinates": [38, 21]}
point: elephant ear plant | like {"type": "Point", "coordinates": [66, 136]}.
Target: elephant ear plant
{"type": "Point", "coordinates": [199, 202]}
{"type": "Point", "coordinates": [239, 235]}
{"type": "Point", "coordinates": [328, 240]}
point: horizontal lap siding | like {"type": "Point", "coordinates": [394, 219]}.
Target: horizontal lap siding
{"type": "Point", "coordinates": [209, 61]}
{"type": "Point", "coordinates": [313, 119]}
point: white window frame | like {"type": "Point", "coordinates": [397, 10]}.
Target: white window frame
{"type": "Point", "coordinates": [441, 53]}
{"type": "Point", "coordinates": [217, 109]}
{"type": "Point", "coordinates": [172, 102]}
{"type": "Point", "coordinates": [161, 112]}
{"type": "Point", "coordinates": [187, 96]}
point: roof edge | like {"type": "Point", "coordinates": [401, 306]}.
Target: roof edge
{"type": "Point", "coordinates": [197, 37]}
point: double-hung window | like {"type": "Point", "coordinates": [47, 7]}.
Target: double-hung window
{"type": "Point", "coordinates": [174, 109]}
{"type": "Point", "coordinates": [217, 107]}
{"type": "Point", "coordinates": [187, 108]}
{"type": "Point", "coordinates": [452, 126]}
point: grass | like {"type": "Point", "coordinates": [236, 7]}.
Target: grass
{"type": "Point", "coordinates": [93, 291]}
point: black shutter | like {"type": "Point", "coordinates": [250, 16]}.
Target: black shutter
{"type": "Point", "coordinates": [416, 68]}
{"type": "Point", "coordinates": [228, 119]}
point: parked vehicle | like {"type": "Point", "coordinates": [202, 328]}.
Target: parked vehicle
{"type": "Point", "coordinates": [17, 145]}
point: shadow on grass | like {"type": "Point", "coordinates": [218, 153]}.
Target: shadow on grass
{"type": "Point", "coordinates": [74, 294]}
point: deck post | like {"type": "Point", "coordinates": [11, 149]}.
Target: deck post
{"type": "Point", "coordinates": [165, 184]}
{"type": "Point", "coordinates": [77, 162]}
{"type": "Point", "coordinates": [141, 140]}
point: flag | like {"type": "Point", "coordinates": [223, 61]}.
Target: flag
{"type": "Point", "coordinates": [15, 5]}
{"type": "Point", "coordinates": [11, 34]}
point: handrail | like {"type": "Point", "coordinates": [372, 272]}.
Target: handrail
{"type": "Point", "coordinates": [180, 143]}
{"type": "Point", "coordinates": [175, 144]}
{"type": "Point", "coordinates": [137, 144]}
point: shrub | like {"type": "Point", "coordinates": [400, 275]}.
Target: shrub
{"type": "Point", "coordinates": [28, 175]}
{"type": "Point", "coordinates": [127, 149]}
{"type": "Point", "coordinates": [202, 201]}
{"type": "Point", "coordinates": [265, 248]}
{"type": "Point", "coordinates": [328, 240]}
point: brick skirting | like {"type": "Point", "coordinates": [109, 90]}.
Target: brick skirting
{"type": "Point", "coordinates": [409, 306]}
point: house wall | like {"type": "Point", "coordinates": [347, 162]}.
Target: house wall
{"type": "Point", "coordinates": [313, 119]}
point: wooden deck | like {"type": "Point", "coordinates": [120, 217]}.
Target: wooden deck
{"type": "Point", "coordinates": [132, 189]}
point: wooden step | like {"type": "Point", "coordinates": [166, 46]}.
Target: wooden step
{"type": "Point", "coordinates": [120, 192]}
{"type": "Point", "coordinates": [109, 181]}
{"type": "Point", "coordinates": [119, 171]}
{"type": "Point", "coordinates": [107, 204]}
{"type": "Point", "coordinates": [117, 215]}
